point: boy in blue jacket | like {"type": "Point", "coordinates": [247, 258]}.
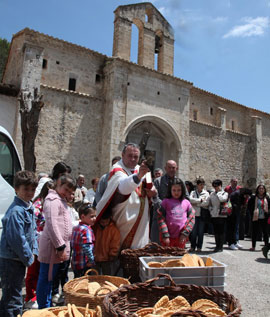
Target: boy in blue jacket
{"type": "Point", "coordinates": [18, 243]}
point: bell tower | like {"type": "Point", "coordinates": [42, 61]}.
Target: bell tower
{"type": "Point", "coordinates": [155, 36]}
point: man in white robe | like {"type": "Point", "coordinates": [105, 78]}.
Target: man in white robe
{"type": "Point", "coordinates": [128, 198]}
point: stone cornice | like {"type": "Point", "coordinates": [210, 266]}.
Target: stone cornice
{"type": "Point", "coordinates": [219, 128]}
{"type": "Point", "coordinates": [205, 92]}
{"type": "Point", "coordinates": [69, 92]}
{"type": "Point", "coordinates": [70, 45]}
{"type": "Point", "coordinates": [140, 67]}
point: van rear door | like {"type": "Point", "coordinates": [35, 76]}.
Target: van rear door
{"type": "Point", "coordinates": [9, 165]}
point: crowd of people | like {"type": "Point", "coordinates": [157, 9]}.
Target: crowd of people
{"type": "Point", "coordinates": [55, 222]}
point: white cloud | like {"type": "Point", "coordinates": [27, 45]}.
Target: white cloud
{"type": "Point", "coordinates": [250, 27]}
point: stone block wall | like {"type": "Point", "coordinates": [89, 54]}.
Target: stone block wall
{"type": "Point", "coordinates": [218, 154]}
{"type": "Point", "coordinates": [139, 92]}
{"type": "Point", "coordinates": [202, 102]}
{"type": "Point", "coordinates": [14, 66]}
{"type": "Point", "coordinates": [70, 130]}
{"type": "Point", "coordinates": [266, 151]}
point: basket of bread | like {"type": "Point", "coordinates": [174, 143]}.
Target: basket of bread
{"type": "Point", "coordinates": [91, 289]}
{"type": "Point", "coordinates": [148, 299]}
{"type": "Point", "coordinates": [129, 258]}
{"type": "Point", "coordinates": [65, 311]}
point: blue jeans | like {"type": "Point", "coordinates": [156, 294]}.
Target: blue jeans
{"type": "Point", "coordinates": [61, 277]}
{"type": "Point", "coordinates": [196, 236]}
{"type": "Point", "coordinates": [12, 274]}
{"type": "Point", "coordinates": [44, 286]}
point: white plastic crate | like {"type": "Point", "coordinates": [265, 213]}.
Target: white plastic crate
{"type": "Point", "coordinates": [212, 276]}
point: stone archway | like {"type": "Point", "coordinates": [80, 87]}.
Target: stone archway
{"type": "Point", "coordinates": [162, 140]}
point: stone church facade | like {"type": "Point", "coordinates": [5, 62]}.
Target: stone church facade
{"type": "Point", "coordinates": [93, 104]}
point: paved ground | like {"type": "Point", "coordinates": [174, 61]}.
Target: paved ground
{"type": "Point", "coordinates": [248, 276]}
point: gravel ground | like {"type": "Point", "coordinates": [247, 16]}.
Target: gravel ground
{"type": "Point", "coordinates": [247, 276]}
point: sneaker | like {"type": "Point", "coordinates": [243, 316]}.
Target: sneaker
{"type": "Point", "coordinates": [252, 249]}
{"type": "Point", "coordinates": [56, 298]}
{"type": "Point", "coordinates": [191, 250]}
{"type": "Point", "coordinates": [199, 250]}
{"type": "Point", "coordinates": [61, 300]}
{"type": "Point", "coordinates": [238, 245]}
{"type": "Point", "coordinates": [31, 305]}
{"type": "Point", "coordinates": [233, 247]}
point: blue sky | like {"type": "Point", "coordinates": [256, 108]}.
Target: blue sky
{"type": "Point", "coordinates": [222, 46]}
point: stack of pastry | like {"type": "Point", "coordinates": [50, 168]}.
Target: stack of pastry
{"type": "Point", "coordinates": [186, 261]}
{"type": "Point", "coordinates": [69, 311]}
{"type": "Point", "coordinates": [165, 307]}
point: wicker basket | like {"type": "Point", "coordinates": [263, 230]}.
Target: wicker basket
{"type": "Point", "coordinates": [130, 298]}
{"type": "Point", "coordinates": [80, 299]}
{"type": "Point", "coordinates": [129, 258]}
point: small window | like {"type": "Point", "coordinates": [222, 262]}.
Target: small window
{"type": "Point", "coordinates": [44, 63]}
{"type": "Point", "coordinates": [158, 93]}
{"type": "Point", "coordinates": [195, 115]}
{"type": "Point", "coordinates": [233, 125]}
{"type": "Point", "coordinates": [57, 62]}
{"type": "Point", "coordinates": [98, 78]}
{"type": "Point", "coordinates": [72, 84]}
{"type": "Point", "coordinates": [211, 111]}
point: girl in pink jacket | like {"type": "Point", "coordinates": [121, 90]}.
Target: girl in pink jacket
{"type": "Point", "coordinates": [54, 244]}
{"type": "Point", "coordinates": [176, 216]}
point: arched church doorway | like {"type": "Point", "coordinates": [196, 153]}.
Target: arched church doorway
{"type": "Point", "coordinates": [157, 139]}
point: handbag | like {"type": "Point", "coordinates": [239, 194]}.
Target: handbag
{"type": "Point", "coordinates": [225, 208]}
{"type": "Point", "coordinates": [255, 215]}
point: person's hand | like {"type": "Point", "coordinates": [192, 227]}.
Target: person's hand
{"type": "Point", "coordinates": [143, 170]}
{"type": "Point", "coordinates": [88, 264]}
{"type": "Point", "coordinates": [62, 255]}
{"type": "Point", "coordinates": [151, 192]}
{"type": "Point", "coordinates": [166, 241]}
{"type": "Point", "coordinates": [182, 239]}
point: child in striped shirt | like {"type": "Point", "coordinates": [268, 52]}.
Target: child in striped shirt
{"type": "Point", "coordinates": [82, 241]}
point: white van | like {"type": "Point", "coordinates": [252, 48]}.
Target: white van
{"type": "Point", "coordinates": [9, 165]}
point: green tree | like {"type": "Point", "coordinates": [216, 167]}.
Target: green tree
{"type": "Point", "coordinates": [4, 48]}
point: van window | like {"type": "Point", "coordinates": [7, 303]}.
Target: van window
{"type": "Point", "coordinates": [9, 162]}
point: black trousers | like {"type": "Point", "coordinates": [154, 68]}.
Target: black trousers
{"type": "Point", "coordinates": [219, 230]}
{"type": "Point", "coordinates": [260, 224]}
{"type": "Point", "coordinates": [231, 228]}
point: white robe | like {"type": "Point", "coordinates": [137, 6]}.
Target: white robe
{"type": "Point", "coordinates": [126, 213]}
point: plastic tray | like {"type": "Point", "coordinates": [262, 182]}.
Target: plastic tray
{"type": "Point", "coordinates": [217, 270]}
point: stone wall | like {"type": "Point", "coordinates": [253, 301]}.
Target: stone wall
{"type": "Point", "coordinates": [266, 151]}
{"type": "Point", "coordinates": [69, 130]}
{"type": "Point", "coordinates": [215, 153]}
{"type": "Point", "coordinates": [9, 113]}
{"type": "Point", "coordinates": [139, 93]}
{"type": "Point", "coordinates": [202, 102]}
